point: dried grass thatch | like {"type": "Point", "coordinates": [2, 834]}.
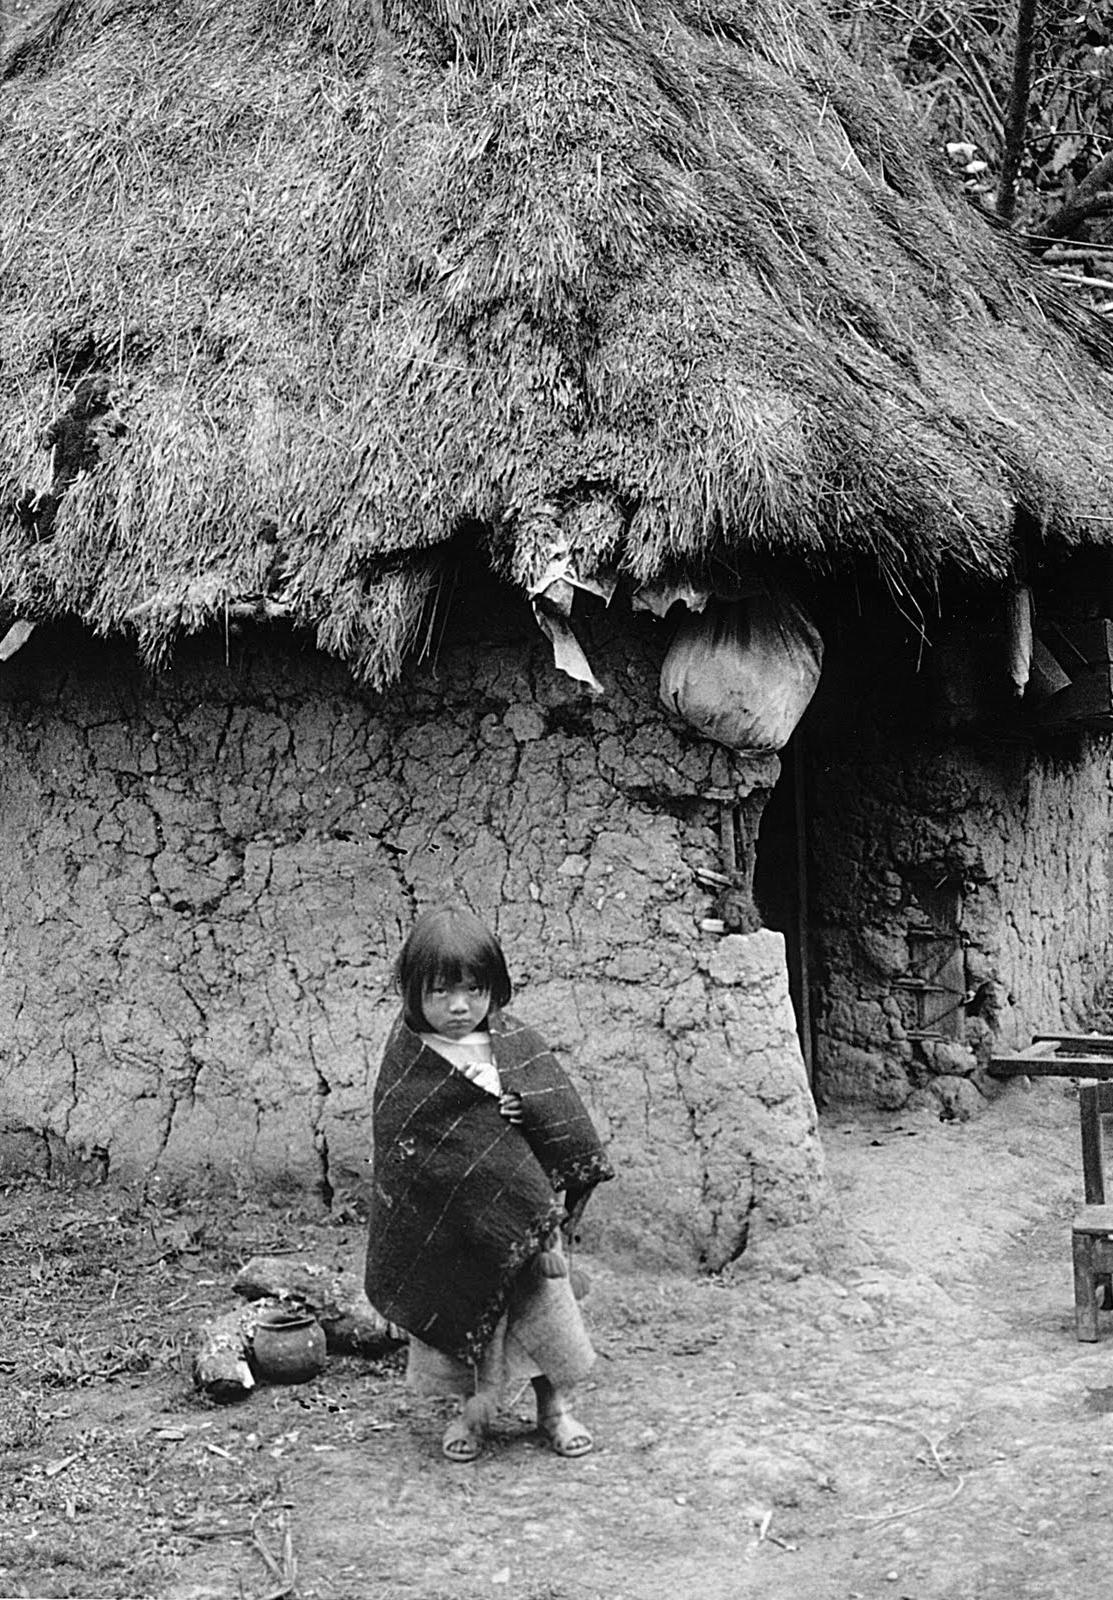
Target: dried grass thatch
{"type": "Point", "coordinates": [668, 283]}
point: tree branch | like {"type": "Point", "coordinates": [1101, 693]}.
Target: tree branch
{"type": "Point", "coordinates": [1016, 112]}
{"type": "Point", "coordinates": [1092, 198]}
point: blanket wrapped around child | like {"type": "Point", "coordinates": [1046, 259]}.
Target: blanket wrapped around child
{"type": "Point", "coordinates": [460, 1197]}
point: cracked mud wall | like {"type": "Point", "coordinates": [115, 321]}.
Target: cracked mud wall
{"type": "Point", "coordinates": [207, 873]}
{"type": "Point", "coordinates": [961, 898]}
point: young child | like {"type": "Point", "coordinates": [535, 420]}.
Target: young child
{"type": "Point", "coordinates": [483, 1150]}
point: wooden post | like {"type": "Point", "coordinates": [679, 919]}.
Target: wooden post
{"type": "Point", "coordinates": [727, 839]}
{"type": "Point", "coordinates": [1089, 1122]}
{"type": "Point", "coordinates": [1085, 1298]}
{"type": "Point", "coordinates": [803, 925]}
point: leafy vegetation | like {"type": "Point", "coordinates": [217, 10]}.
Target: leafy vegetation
{"type": "Point", "coordinates": [956, 62]}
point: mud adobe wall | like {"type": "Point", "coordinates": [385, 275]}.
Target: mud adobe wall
{"type": "Point", "coordinates": [207, 873]}
{"type": "Point", "coordinates": [961, 896]}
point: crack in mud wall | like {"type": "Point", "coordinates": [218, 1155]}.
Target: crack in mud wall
{"type": "Point", "coordinates": [206, 877]}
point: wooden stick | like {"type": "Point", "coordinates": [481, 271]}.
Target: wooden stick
{"type": "Point", "coordinates": [287, 1573]}
{"type": "Point", "coordinates": [220, 1364]}
{"type": "Point", "coordinates": [726, 838]}
{"type": "Point", "coordinates": [909, 1511]}
{"type": "Point", "coordinates": [1076, 256]}
{"type": "Point", "coordinates": [1085, 282]}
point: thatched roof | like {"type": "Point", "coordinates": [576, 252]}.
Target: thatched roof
{"type": "Point", "coordinates": [667, 283]}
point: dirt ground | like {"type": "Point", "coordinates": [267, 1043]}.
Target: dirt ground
{"type": "Point", "coordinates": [916, 1422]}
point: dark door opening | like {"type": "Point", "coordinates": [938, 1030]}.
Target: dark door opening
{"type": "Point", "coordinates": [781, 884]}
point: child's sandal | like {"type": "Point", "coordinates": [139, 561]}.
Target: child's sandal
{"type": "Point", "coordinates": [566, 1436]}
{"type": "Point", "coordinates": [460, 1442]}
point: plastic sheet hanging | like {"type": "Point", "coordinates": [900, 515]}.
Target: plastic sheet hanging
{"type": "Point", "coordinates": [551, 597]}
{"type": "Point", "coordinates": [742, 672]}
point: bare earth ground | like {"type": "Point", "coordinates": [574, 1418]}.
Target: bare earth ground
{"type": "Point", "coordinates": [918, 1422]}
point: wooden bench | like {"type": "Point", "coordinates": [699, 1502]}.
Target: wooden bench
{"type": "Point", "coordinates": [1057, 1055]}
{"type": "Point", "coordinates": [1092, 1255]}
{"type": "Point", "coordinates": [1079, 1055]}
{"type": "Point", "coordinates": [1092, 1230]}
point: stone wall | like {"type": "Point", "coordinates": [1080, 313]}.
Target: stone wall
{"type": "Point", "coordinates": [207, 873]}
{"type": "Point", "coordinates": [960, 896]}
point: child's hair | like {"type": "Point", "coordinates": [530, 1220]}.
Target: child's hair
{"type": "Point", "coordinates": [448, 945]}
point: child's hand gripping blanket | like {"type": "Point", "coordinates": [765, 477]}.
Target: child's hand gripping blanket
{"type": "Point", "coordinates": [462, 1198]}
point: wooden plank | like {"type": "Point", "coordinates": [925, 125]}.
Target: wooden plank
{"type": "Point", "coordinates": [1092, 639]}
{"type": "Point", "coordinates": [1089, 1119]}
{"type": "Point", "coordinates": [937, 972]}
{"type": "Point", "coordinates": [1093, 1219]}
{"type": "Point", "coordinates": [1087, 702]}
{"type": "Point", "coordinates": [1049, 1052]}
{"type": "Point", "coordinates": [1084, 1042]}
{"type": "Point", "coordinates": [1055, 1066]}
{"type": "Point", "coordinates": [1044, 1044]}
{"type": "Point", "coordinates": [1085, 1284]}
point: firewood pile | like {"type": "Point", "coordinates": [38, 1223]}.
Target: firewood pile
{"type": "Point", "coordinates": [225, 1365]}
{"type": "Point", "coordinates": [1084, 267]}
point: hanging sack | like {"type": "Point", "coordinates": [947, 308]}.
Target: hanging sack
{"type": "Point", "coordinates": [742, 672]}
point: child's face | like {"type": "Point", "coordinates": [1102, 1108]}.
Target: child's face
{"type": "Point", "coordinates": [455, 1008]}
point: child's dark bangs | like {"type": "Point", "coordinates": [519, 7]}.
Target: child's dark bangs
{"type": "Point", "coordinates": [465, 958]}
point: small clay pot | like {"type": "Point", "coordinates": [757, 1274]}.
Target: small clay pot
{"type": "Point", "coordinates": [288, 1346]}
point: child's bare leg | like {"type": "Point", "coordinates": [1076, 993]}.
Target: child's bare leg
{"type": "Point", "coordinates": [554, 1417]}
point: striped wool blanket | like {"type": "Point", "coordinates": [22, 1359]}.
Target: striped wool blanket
{"type": "Point", "coordinates": [461, 1199]}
